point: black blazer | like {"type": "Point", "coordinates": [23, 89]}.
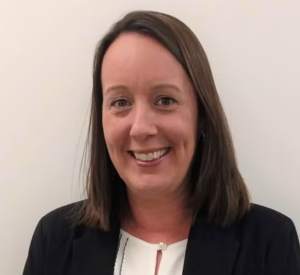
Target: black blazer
{"type": "Point", "coordinates": [264, 242]}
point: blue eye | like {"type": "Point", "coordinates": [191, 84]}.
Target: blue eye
{"type": "Point", "coordinates": [120, 103]}
{"type": "Point", "coordinates": [166, 101]}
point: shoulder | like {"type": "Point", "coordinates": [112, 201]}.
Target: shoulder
{"type": "Point", "coordinates": [260, 224]}
{"type": "Point", "coordinates": [263, 227]}
{"type": "Point", "coordinates": [271, 238]}
{"type": "Point", "coordinates": [60, 222]}
{"type": "Point", "coordinates": [61, 215]}
{"type": "Point", "coordinates": [261, 218]}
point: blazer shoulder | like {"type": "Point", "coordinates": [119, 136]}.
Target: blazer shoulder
{"type": "Point", "coordinates": [265, 220]}
{"type": "Point", "coordinates": [265, 215]}
{"type": "Point", "coordinates": [272, 237]}
{"type": "Point", "coordinates": [61, 221]}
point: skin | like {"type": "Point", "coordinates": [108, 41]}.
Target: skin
{"type": "Point", "coordinates": [149, 103]}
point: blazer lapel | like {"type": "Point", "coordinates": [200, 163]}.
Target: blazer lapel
{"type": "Point", "coordinates": [95, 253]}
{"type": "Point", "coordinates": [210, 250]}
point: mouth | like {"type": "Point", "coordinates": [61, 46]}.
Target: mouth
{"type": "Point", "coordinates": [150, 156]}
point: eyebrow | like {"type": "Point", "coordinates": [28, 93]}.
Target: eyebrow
{"type": "Point", "coordinates": [115, 88]}
{"type": "Point", "coordinates": [154, 88]}
{"type": "Point", "coordinates": [166, 86]}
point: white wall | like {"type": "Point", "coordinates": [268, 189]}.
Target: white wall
{"type": "Point", "coordinates": [46, 52]}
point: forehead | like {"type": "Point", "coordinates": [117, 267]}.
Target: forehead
{"type": "Point", "coordinates": [138, 58]}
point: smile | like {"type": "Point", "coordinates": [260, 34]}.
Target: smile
{"type": "Point", "coordinates": [151, 156]}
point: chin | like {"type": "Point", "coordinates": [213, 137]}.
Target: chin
{"type": "Point", "coordinates": [150, 184]}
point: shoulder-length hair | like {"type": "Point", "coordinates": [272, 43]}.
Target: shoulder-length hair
{"type": "Point", "coordinates": [216, 185]}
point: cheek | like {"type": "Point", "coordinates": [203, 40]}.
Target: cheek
{"type": "Point", "coordinates": [114, 132]}
{"type": "Point", "coordinates": [181, 129]}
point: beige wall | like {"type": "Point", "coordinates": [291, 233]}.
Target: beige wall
{"type": "Point", "coordinates": [46, 51]}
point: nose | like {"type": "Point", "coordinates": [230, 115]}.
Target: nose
{"type": "Point", "coordinates": [143, 124]}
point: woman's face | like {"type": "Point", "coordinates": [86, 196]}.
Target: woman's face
{"type": "Point", "coordinates": [149, 115]}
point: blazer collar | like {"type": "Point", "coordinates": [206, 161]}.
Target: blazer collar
{"type": "Point", "coordinates": [95, 252]}
{"type": "Point", "coordinates": [210, 250]}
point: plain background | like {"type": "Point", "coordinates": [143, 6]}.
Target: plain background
{"type": "Point", "coordinates": [46, 54]}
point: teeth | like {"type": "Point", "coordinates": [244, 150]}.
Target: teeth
{"type": "Point", "coordinates": [150, 156]}
{"type": "Point", "coordinates": [143, 157]}
{"type": "Point", "coordinates": [159, 154]}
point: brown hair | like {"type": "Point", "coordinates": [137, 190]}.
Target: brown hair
{"type": "Point", "coordinates": [216, 185]}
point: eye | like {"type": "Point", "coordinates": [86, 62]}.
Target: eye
{"type": "Point", "coordinates": [165, 101]}
{"type": "Point", "coordinates": [120, 103]}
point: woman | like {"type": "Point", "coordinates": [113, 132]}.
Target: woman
{"type": "Point", "coordinates": [165, 195]}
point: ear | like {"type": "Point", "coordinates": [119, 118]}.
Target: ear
{"type": "Point", "coordinates": [202, 136]}
{"type": "Point", "coordinates": [201, 128]}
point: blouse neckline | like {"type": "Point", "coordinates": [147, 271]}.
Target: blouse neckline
{"type": "Point", "coordinates": [182, 243]}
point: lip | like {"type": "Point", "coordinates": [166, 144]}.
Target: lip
{"type": "Point", "coordinates": [152, 163]}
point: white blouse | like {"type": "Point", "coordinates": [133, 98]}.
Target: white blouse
{"type": "Point", "coordinates": [137, 257]}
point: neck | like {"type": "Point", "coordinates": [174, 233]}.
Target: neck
{"type": "Point", "coordinates": [166, 219]}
